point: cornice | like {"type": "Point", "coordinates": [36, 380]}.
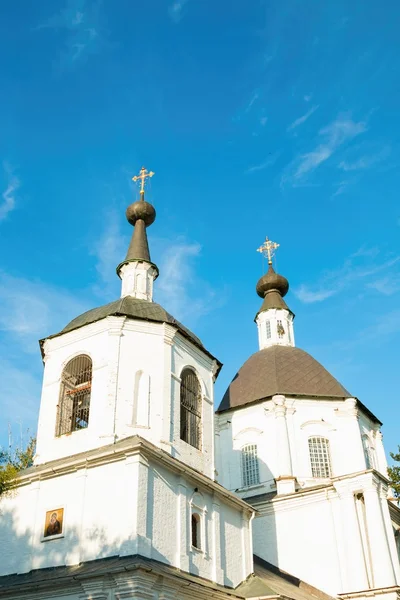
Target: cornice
{"type": "Point", "coordinates": [128, 447]}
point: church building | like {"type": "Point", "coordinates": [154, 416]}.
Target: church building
{"type": "Point", "coordinates": [140, 491]}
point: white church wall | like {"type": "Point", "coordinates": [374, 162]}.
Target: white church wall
{"type": "Point", "coordinates": [92, 340]}
{"type": "Point", "coordinates": [126, 505]}
{"type": "Point", "coordinates": [253, 425]}
{"type": "Point", "coordinates": [299, 536]}
{"type": "Point", "coordinates": [185, 354]}
{"type": "Point", "coordinates": [337, 421]}
{"type": "Point", "coordinates": [135, 389]}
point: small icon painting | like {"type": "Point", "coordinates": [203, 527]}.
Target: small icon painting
{"type": "Point", "coordinates": [54, 522]}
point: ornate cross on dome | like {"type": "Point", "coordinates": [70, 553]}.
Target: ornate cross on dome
{"type": "Point", "coordinates": [144, 173]}
{"type": "Point", "coordinates": [268, 249]}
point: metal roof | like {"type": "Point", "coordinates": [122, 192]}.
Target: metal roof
{"type": "Point", "coordinates": [280, 370]}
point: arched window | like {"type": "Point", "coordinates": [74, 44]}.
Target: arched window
{"type": "Point", "coordinates": [368, 452]}
{"type": "Point", "coordinates": [250, 471]}
{"type": "Point", "coordinates": [74, 402]}
{"type": "Point", "coordinates": [320, 457]}
{"type": "Point", "coordinates": [191, 407]}
{"type": "Point", "coordinates": [195, 531]}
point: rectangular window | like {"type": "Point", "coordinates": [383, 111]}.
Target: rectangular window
{"type": "Point", "coordinates": [280, 329]}
{"type": "Point", "coordinates": [250, 472]}
{"type": "Point", "coordinates": [268, 329]}
{"type": "Point", "coordinates": [320, 457]}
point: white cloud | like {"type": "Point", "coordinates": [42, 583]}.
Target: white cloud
{"type": "Point", "coordinates": [80, 22]}
{"type": "Point", "coordinates": [8, 195]}
{"type": "Point", "coordinates": [342, 130]}
{"type": "Point", "coordinates": [271, 160]}
{"type": "Point", "coordinates": [177, 288]}
{"type": "Point", "coordinates": [302, 119]}
{"type": "Point", "coordinates": [176, 10]}
{"type": "Point", "coordinates": [307, 97]}
{"type": "Point", "coordinates": [359, 266]}
{"type": "Point", "coordinates": [364, 162]}
{"type": "Point", "coordinates": [30, 309]}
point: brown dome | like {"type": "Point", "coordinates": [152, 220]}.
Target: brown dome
{"type": "Point", "coordinates": [280, 370]}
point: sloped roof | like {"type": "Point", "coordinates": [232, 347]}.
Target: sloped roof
{"type": "Point", "coordinates": [280, 370]}
{"type": "Point", "coordinates": [133, 308]}
{"type": "Point", "coordinates": [278, 583]}
{"type": "Point", "coordinates": [267, 582]}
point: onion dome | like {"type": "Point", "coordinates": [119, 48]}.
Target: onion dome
{"type": "Point", "coordinates": [272, 287]}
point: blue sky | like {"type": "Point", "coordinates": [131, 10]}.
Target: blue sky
{"type": "Point", "coordinates": [259, 118]}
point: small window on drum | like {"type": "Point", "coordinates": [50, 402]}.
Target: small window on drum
{"type": "Point", "coordinates": [75, 392]}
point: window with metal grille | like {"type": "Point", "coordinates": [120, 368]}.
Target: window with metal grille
{"type": "Point", "coordinates": [320, 457]}
{"type": "Point", "coordinates": [268, 329]}
{"type": "Point", "coordinates": [196, 535]}
{"type": "Point", "coordinates": [74, 402]}
{"type": "Point", "coordinates": [191, 408]}
{"type": "Point", "coordinates": [250, 472]}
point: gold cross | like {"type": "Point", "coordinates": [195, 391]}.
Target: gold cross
{"type": "Point", "coordinates": [144, 173]}
{"type": "Point", "coordinates": [268, 249]}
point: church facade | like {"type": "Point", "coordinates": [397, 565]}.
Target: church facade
{"type": "Point", "coordinates": [140, 491]}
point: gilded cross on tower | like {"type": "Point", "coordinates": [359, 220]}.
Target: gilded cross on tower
{"type": "Point", "coordinates": [144, 173]}
{"type": "Point", "coordinates": [268, 249]}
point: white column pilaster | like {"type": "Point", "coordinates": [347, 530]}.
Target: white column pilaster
{"type": "Point", "coordinates": [382, 566]}
{"type": "Point", "coordinates": [285, 481]}
{"type": "Point", "coordinates": [355, 577]}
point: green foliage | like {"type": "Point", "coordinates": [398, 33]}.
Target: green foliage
{"type": "Point", "coordinates": [13, 462]}
{"type": "Point", "coordinates": [394, 474]}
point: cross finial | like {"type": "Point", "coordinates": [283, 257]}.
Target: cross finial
{"type": "Point", "coordinates": [268, 249]}
{"type": "Point", "coordinates": [144, 173]}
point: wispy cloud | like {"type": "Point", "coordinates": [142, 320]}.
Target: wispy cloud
{"type": "Point", "coordinates": [302, 119]}
{"type": "Point", "coordinates": [176, 10]}
{"type": "Point", "coordinates": [307, 97]}
{"type": "Point", "coordinates": [13, 183]}
{"type": "Point", "coordinates": [80, 22]}
{"type": "Point", "coordinates": [342, 187]}
{"type": "Point", "coordinates": [109, 250]}
{"type": "Point", "coordinates": [34, 309]}
{"type": "Point", "coordinates": [263, 121]}
{"type": "Point", "coordinates": [253, 99]}
{"type": "Point", "coordinates": [334, 135]}
{"type": "Point", "coordinates": [365, 162]}
{"type": "Point", "coordinates": [358, 267]}
{"type": "Point", "coordinates": [271, 160]}
{"type": "Point", "coordinates": [178, 286]}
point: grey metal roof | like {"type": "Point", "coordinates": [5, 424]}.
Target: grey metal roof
{"type": "Point", "coordinates": [267, 581]}
{"type": "Point", "coordinates": [133, 308]}
{"type": "Point", "coordinates": [280, 370]}
{"type": "Point", "coordinates": [281, 583]}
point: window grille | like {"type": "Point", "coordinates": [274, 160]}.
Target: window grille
{"type": "Point", "coordinates": [320, 457]}
{"type": "Point", "coordinates": [74, 402]}
{"type": "Point", "coordinates": [196, 536]}
{"type": "Point", "coordinates": [250, 471]}
{"type": "Point", "coordinates": [268, 329]}
{"type": "Point", "coordinates": [191, 407]}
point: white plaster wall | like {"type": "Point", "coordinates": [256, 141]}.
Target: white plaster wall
{"type": "Point", "coordinates": [121, 348]}
{"type": "Point", "coordinates": [125, 506]}
{"type": "Point", "coordinates": [337, 420]}
{"type": "Point", "coordinates": [299, 537]}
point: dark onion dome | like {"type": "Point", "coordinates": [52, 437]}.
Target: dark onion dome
{"type": "Point", "coordinates": [271, 281]}
{"type": "Point", "coordinates": [140, 214]}
{"type": "Point", "coordinates": [133, 308]}
{"type": "Point", "coordinates": [141, 210]}
{"type": "Point", "coordinates": [280, 370]}
{"type": "Point", "coordinates": [272, 287]}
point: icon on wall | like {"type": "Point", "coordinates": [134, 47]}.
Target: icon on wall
{"type": "Point", "coordinates": [54, 522]}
